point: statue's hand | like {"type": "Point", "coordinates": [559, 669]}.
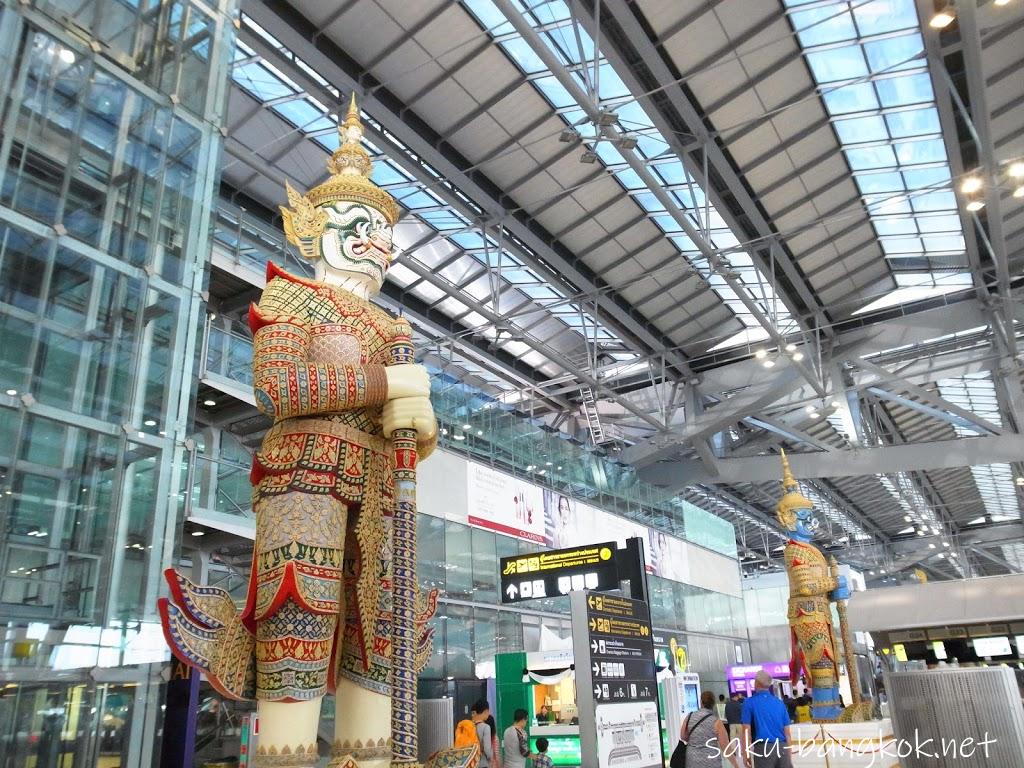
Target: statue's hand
{"type": "Point", "coordinates": [407, 381]}
{"type": "Point", "coordinates": [410, 413]}
{"type": "Point", "coordinates": [842, 590]}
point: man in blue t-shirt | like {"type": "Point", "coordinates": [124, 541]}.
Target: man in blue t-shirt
{"type": "Point", "coordinates": [765, 727]}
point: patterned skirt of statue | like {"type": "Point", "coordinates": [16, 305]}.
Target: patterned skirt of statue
{"type": "Point", "coordinates": [319, 602]}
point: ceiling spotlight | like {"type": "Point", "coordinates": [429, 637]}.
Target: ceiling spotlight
{"type": "Point", "coordinates": [920, 532]}
{"type": "Point", "coordinates": [1001, 2]}
{"type": "Point", "coordinates": [606, 118]}
{"type": "Point", "coordinates": [1016, 170]}
{"type": "Point", "coordinates": [791, 347]}
{"type": "Point", "coordinates": [149, 422]}
{"type": "Point", "coordinates": [480, 433]}
{"type": "Point", "coordinates": [444, 431]}
{"type": "Point", "coordinates": [945, 543]}
{"type": "Point", "coordinates": [970, 185]}
{"type": "Point", "coordinates": [1019, 191]}
{"type": "Point", "coordinates": [882, 570]}
{"type": "Point", "coordinates": [459, 436]}
{"type": "Point", "coordinates": [810, 408]}
{"type": "Point", "coordinates": [569, 136]}
{"type": "Point", "coordinates": [12, 392]}
{"type": "Point", "coordinates": [975, 205]}
{"type": "Point", "coordinates": [209, 403]}
{"type": "Point", "coordinates": [943, 17]}
{"type": "Point", "coordinates": [871, 573]}
{"type": "Point", "coordinates": [198, 533]}
{"type": "Point", "coordinates": [815, 415]}
{"type": "Point", "coordinates": [768, 363]}
{"type": "Point", "coordinates": [627, 141]}
{"type": "Point", "coordinates": [761, 354]}
{"type": "Point", "coordinates": [1020, 480]}
{"type": "Point", "coordinates": [931, 545]}
{"type": "Point", "coordinates": [67, 55]}
{"type": "Point", "coordinates": [467, 426]}
{"type": "Point", "coordinates": [907, 518]}
{"type": "Point", "coordinates": [589, 157]}
{"type": "Point", "coordinates": [798, 356]}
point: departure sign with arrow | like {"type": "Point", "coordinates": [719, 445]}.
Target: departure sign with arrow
{"type": "Point", "coordinates": [621, 649]}
{"type": "Point", "coordinates": [559, 572]}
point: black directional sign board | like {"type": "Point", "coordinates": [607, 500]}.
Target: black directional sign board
{"type": "Point", "coordinates": [559, 572]}
{"type": "Point", "coordinates": [621, 649]}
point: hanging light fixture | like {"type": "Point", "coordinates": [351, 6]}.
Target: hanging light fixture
{"type": "Point", "coordinates": [943, 17]}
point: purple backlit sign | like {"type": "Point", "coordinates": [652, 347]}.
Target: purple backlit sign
{"type": "Point", "coordinates": [778, 669]}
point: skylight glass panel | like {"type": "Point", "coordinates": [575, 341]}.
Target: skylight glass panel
{"type": "Point", "coordinates": [916, 286]}
{"type": "Point", "coordinates": [995, 482]}
{"type": "Point", "coordinates": [898, 127]}
{"type": "Point", "coordinates": [523, 55]}
{"type": "Point", "coordinates": [259, 81]}
{"type": "Point", "coordinates": [548, 19]}
{"type": "Point", "coordinates": [304, 115]}
{"type": "Point", "coordinates": [826, 24]}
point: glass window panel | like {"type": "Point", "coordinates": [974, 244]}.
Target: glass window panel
{"type": "Point", "coordinates": [894, 226]}
{"type": "Point", "coordinates": [895, 53]}
{"type": "Point", "coordinates": [934, 201]}
{"type": "Point", "coordinates": [837, 64]}
{"type": "Point", "coordinates": [611, 84]}
{"type": "Point", "coordinates": [651, 146]}
{"type": "Point", "coordinates": [487, 13]}
{"type": "Point", "coordinates": [880, 16]}
{"type": "Point", "coordinates": [905, 89]}
{"type": "Point", "coordinates": [630, 179]}
{"type": "Point", "coordinates": [828, 24]}
{"type": "Point", "coordinates": [861, 129]}
{"type": "Point", "coordinates": [671, 173]}
{"type": "Point", "coordinates": [459, 560]}
{"type": "Point", "coordinates": [887, 204]}
{"type": "Point", "coordinates": [926, 177]}
{"type": "Point", "coordinates": [915, 122]}
{"type": "Point", "coordinates": [925, 151]}
{"type": "Point", "coordinates": [384, 172]}
{"type": "Point", "coordinates": [304, 115]}
{"type": "Point", "coordinates": [523, 55]}
{"type": "Point", "coordinates": [953, 243]}
{"type": "Point", "coordinates": [632, 117]}
{"type": "Point", "coordinates": [950, 223]}
{"type": "Point", "coordinates": [485, 567]}
{"type": "Point", "coordinates": [892, 245]}
{"type": "Point", "coordinates": [648, 201]}
{"type": "Point", "coordinates": [554, 91]}
{"type": "Point", "coordinates": [879, 182]}
{"type": "Point", "coordinates": [863, 158]}
{"type": "Point", "coordinates": [258, 80]}
{"type": "Point", "coordinates": [859, 97]}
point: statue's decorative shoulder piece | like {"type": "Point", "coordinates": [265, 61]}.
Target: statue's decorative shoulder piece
{"type": "Point", "coordinates": [332, 603]}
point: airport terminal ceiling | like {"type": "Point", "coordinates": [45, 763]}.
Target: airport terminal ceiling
{"type": "Point", "coordinates": [692, 234]}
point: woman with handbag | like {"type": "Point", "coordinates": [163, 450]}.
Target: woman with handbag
{"type": "Point", "coordinates": [703, 741]}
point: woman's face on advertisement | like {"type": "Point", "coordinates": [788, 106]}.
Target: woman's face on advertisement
{"type": "Point", "coordinates": [563, 509]}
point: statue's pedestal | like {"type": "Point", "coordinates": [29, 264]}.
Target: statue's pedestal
{"type": "Point", "coordinates": [844, 745]}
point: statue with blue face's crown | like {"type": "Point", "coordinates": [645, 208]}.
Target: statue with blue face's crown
{"type": "Point", "coordinates": [813, 585]}
{"type": "Point", "coordinates": [333, 605]}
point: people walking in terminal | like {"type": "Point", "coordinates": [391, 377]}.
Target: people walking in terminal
{"type": "Point", "coordinates": [705, 736]}
{"type": "Point", "coordinates": [765, 727]}
{"type": "Point", "coordinates": [734, 716]}
{"type": "Point", "coordinates": [720, 707]}
{"type": "Point", "coordinates": [495, 751]}
{"type": "Point", "coordinates": [515, 743]}
{"type": "Point", "coordinates": [481, 712]}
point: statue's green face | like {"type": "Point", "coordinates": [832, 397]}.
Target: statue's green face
{"type": "Point", "coordinates": [357, 239]}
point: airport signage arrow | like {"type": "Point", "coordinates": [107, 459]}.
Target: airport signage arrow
{"type": "Point", "coordinates": [559, 572]}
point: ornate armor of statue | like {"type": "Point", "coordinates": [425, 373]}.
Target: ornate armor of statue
{"type": "Point", "coordinates": [812, 586]}
{"type": "Point", "coordinates": [331, 606]}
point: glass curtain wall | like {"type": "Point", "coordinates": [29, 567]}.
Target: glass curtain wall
{"type": "Point", "coordinates": [110, 117]}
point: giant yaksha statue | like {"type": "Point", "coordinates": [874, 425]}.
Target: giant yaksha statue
{"type": "Point", "coordinates": [332, 603]}
{"type": "Point", "coordinates": [813, 584]}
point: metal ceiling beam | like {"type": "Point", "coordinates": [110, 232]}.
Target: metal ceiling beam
{"type": "Point", "coordinates": [910, 457]}
{"type": "Point", "coordinates": [652, 56]}
{"type": "Point", "coordinates": [639, 166]}
{"type": "Point", "coordinates": [548, 256]}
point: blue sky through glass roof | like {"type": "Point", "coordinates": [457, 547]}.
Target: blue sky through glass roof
{"type": "Point", "coordinates": [889, 127]}
{"type": "Point", "coordinates": [553, 22]}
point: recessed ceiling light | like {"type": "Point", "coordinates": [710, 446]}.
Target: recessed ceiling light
{"type": "Point", "coordinates": [798, 356]}
{"type": "Point", "coordinates": [761, 354]}
{"type": "Point", "coordinates": [209, 403]}
{"type": "Point", "coordinates": [791, 347]}
{"type": "Point", "coordinates": [149, 423]}
{"type": "Point", "coordinates": [1019, 191]}
{"type": "Point", "coordinates": [975, 205]}
{"type": "Point", "coordinates": [459, 436]}
{"type": "Point", "coordinates": [815, 415]}
{"type": "Point", "coordinates": [768, 363]}
{"type": "Point", "coordinates": [467, 426]}
{"type": "Point", "coordinates": [67, 55]}
{"type": "Point", "coordinates": [970, 185]}
{"type": "Point", "coordinates": [12, 392]}
{"type": "Point", "coordinates": [198, 533]}
{"type": "Point", "coordinates": [907, 518]}
{"type": "Point", "coordinates": [1016, 170]}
